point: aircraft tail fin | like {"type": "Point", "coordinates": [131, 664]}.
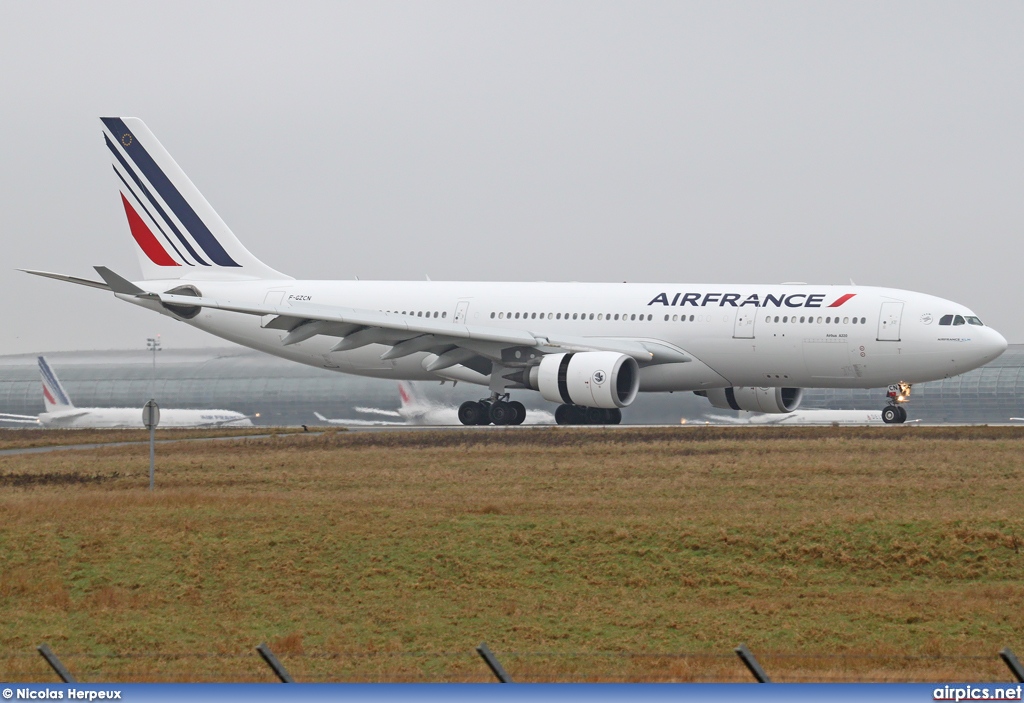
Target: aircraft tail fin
{"type": "Point", "coordinates": [409, 395]}
{"type": "Point", "coordinates": [177, 232]}
{"type": "Point", "coordinates": [54, 395]}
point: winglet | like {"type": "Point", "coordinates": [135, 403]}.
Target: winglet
{"type": "Point", "coordinates": [117, 283]}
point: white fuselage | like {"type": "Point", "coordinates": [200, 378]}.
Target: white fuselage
{"type": "Point", "coordinates": [106, 418]}
{"type": "Point", "coordinates": [735, 335]}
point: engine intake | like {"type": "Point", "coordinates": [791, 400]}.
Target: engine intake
{"type": "Point", "coordinates": [593, 379]}
{"type": "Point", "coordinates": [758, 400]}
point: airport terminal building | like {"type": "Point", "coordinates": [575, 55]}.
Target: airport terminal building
{"type": "Point", "coordinates": [283, 392]}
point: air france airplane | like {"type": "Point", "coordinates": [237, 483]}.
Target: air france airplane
{"type": "Point", "coordinates": [591, 347]}
{"type": "Point", "coordinates": [804, 417]}
{"type": "Point", "coordinates": [62, 413]}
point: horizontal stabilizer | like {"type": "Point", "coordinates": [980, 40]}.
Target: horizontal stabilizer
{"type": "Point", "coordinates": [68, 279]}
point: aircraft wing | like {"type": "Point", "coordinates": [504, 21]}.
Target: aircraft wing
{"type": "Point", "coordinates": [474, 346]}
{"type": "Point", "coordinates": [219, 423]}
{"type": "Point", "coordinates": [360, 423]}
{"type": "Point", "coordinates": [25, 419]}
{"type": "Point", "coordinates": [726, 420]}
{"type": "Point", "coordinates": [378, 411]}
{"type": "Point", "coordinates": [67, 415]}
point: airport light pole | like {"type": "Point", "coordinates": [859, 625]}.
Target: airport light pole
{"type": "Point", "coordinates": [151, 418]}
{"type": "Point", "coordinates": [153, 344]}
{"type": "Point", "coordinates": [151, 412]}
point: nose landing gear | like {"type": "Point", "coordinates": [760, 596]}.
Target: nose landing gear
{"type": "Point", "coordinates": [894, 413]}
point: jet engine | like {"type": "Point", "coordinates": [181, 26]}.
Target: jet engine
{"type": "Point", "coordinates": [758, 400]}
{"type": "Point", "coordinates": [593, 379]}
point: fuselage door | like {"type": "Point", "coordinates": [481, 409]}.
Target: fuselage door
{"type": "Point", "coordinates": [889, 322]}
{"type": "Point", "coordinates": [460, 312]}
{"type": "Point", "coordinates": [744, 326]}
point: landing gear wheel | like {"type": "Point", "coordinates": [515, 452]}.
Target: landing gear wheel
{"type": "Point", "coordinates": [614, 416]}
{"type": "Point", "coordinates": [471, 413]}
{"type": "Point", "coordinates": [571, 415]}
{"type": "Point", "coordinates": [502, 413]}
{"type": "Point", "coordinates": [520, 412]}
{"type": "Point", "coordinates": [595, 416]}
{"type": "Point", "coordinates": [891, 414]}
{"type": "Point", "coordinates": [485, 412]}
{"type": "Point", "coordinates": [903, 414]}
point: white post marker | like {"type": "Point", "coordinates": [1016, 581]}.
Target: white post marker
{"type": "Point", "coordinates": [151, 418]}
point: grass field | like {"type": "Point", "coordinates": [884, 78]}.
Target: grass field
{"type": "Point", "coordinates": [578, 554]}
{"type": "Point", "coordinates": [25, 438]}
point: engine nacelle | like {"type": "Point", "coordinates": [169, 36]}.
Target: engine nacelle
{"type": "Point", "coordinates": [593, 379]}
{"type": "Point", "coordinates": [758, 400]}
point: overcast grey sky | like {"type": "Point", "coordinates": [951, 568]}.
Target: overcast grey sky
{"type": "Point", "coordinates": [593, 141]}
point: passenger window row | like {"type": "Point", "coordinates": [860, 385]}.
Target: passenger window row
{"type": "Point", "coordinates": [625, 317]}
{"type": "Point", "coordinates": [811, 320]}
{"type": "Point", "coordinates": [419, 313]}
{"type": "Point", "coordinates": [960, 320]}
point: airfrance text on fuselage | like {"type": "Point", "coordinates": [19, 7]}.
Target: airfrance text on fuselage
{"type": "Point", "coordinates": [793, 300]}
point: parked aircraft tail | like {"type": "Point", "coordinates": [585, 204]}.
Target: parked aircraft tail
{"type": "Point", "coordinates": [409, 395]}
{"type": "Point", "coordinates": [177, 232]}
{"type": "Point", "coordinates": [54, 395]}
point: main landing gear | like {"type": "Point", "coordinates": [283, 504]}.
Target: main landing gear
{"type": "Point", "coordinates": [580, 415]}
{"type": "Point", "coordinates": [894, 413]}
{"type": "Point", "coordinates": [499, 410]}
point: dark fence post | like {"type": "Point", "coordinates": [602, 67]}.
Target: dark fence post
{"type": "Point", "coordinates": [54, 662]}
{"type": "Point", "coordinates": [274, 664]}
{"type": "Point", "coordinates": [493, 663]}
{"type": "Point", "coordinates": [1011, 661]}
{"type": "Point", "coordinates": [747, 657]}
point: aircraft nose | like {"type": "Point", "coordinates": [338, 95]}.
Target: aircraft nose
{"type": "Point", "coordinates": [993, 344]}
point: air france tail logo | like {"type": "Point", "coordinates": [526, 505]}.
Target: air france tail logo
{"type": "Point", "coordinates": [793, 300]}
{"type": "Point", "coordinates": [164, 224]}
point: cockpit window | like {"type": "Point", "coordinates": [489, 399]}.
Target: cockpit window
{"type": "Point", "coordinates": [946, 320]}
{"type": "Point", "coordinates": [958, 320]}
{"type": "Point", "coordinates": [972, 320]}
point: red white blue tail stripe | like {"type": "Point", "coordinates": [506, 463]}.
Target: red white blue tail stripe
{"type": "Point", "coordinates": [137, 163]}
{"type": "Point", "coordinates": [54, 395]}
{"type": "Point", "coordinates": [175, 228]}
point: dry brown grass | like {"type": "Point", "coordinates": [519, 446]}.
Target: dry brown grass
{"type": "Point", "coordinates": [577, 554]}
{"type": "Point", "coordinates": [23, 438]}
